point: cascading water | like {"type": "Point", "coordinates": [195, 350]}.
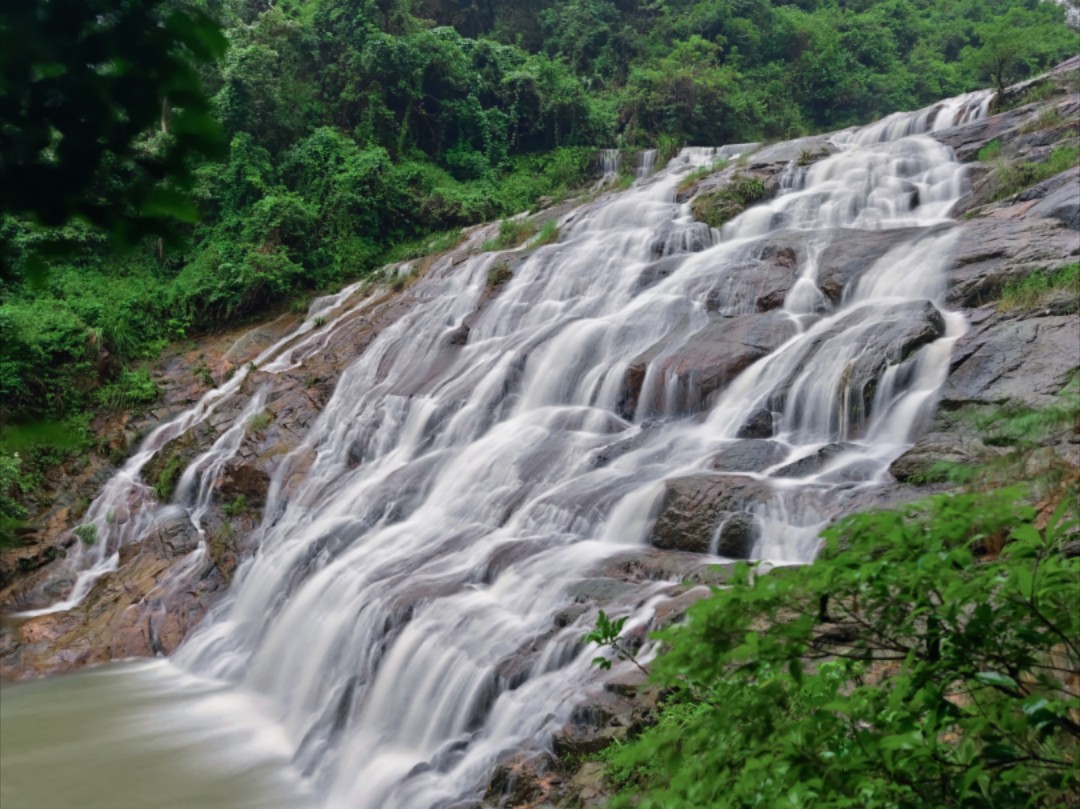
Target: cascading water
{"type": "Point", "coordinates": [609, 163]}
{"type": "Point", "coordinates": [397, 623]}
{"type": "Point", "coordinates": [646, 164]}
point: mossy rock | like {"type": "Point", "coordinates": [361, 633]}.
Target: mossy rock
{"type": "Point", "coordinates": [164, 470]}
{"type": "Point", "coordinates": [715, 209]}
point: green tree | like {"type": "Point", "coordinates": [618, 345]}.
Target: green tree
{"type": "Point", "coordinates": [1009, 47]}
{"type": "Point", "coordinates": [102, 110]}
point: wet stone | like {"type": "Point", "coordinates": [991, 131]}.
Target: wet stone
{"type": "Point", "coordinates": [749, 455]}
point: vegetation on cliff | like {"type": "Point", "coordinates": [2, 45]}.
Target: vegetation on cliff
{"type": "Point", "coordinates": [929, 657]}
{"type": "Point", "coordinates": [354, 125]}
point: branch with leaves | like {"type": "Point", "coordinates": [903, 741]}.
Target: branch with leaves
{"type": "Point", "coordinates": [607, 634]}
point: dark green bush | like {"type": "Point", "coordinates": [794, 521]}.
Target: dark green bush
{"type": "Point", "coordinates": [928, 658]}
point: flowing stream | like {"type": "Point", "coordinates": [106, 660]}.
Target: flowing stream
{"type": "Point", "coordinates": [395, 633]}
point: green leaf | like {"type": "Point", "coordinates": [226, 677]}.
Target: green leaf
{"type": "Point", "coordinates": [995, 679]}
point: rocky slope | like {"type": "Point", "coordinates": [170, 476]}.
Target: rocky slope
{"type": "Point", "coordinates": [1017, 225]}
{"type": "Point", "coordinates": [1017, 357]}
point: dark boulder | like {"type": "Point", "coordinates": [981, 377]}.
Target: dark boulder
{"type": "Point", "coordinates": [759, 424]}
{"type": "Point", "coordinates": [751, 455]}
{"type": "Point", "coordinates": [696, 508]}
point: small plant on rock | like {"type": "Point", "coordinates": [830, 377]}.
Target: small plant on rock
{"type": "Point", "coordinates": [260, 421]}
{"type": "Point", "coordinates": [87, 533]}
{"type": "Point", "coordinates": [606, 634]}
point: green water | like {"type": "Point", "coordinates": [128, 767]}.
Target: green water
{"type": "Point", "coordinates": [140, 736]}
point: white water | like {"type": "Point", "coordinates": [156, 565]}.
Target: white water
{"type": "Point", "coordinates": [396, 624]}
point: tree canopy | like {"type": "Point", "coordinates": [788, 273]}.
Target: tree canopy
{"type": "Point", "coordinates": [328, 133]}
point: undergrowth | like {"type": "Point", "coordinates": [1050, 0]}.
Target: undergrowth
{"type": "Point", "coordinates": [927, 658]}
{"type": "Point", "coordinates": [1012, 178]}
{"type": "Point", "coordinates": [512, 232]}
{"type": "Point", "coordinates": [1027, 293]}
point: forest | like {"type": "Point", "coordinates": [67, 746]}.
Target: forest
{"type": "Point", "coordinates": [352, 130]}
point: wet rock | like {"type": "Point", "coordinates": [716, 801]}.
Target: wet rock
{"type": "Point", "coordinates": [1008, 359]}
{"type": "Point", "coordinates": [927, 461]}
{"type": "Point", "coordinates": [243, 480]}
{"type": "Point", "coordinates": [814, 462]}
{"type": "Point", "coordinates": [176, 536]}
{"type": "Point", "coordinates": [696, 506]}
{"type": "Point", "coordinates": [759, 424]}
{"type": "Point", "coordinates": [515, 783]}
{"type": "Point", "coordinates": [761, 283]}
{"type": "Point", "coordinates": [738, 534]}
{"type": "Point", "coordinates": [751, 455]}
{"type": "Point", "coordinates": [801, 150]}
{"type": "Point", "coordinates": [129, 613]}
{"type": "Point", "coordinates": [457, 337]}
{"type": "Point", "coordinates": [675, 238]}
{"type": "Point", "coordinates": [658, 270]}
{"type": "Point", "coordinates": [850, 253]}
{"type": "Point", "coordinates": [710, 359]}
{"type": "Point", "coordinates": [884, 340]}
{"type": "Point", "coordinates": [630, 390]}
{"type": "Point", "coordinates": [597, 590]}
{"type": "Point", "coordinates": [651, 564]}
{"type": "Point", "coordinates": [607, 454]}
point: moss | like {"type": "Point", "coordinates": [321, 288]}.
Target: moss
{"type": "Point", "coordinates": [718, 207]}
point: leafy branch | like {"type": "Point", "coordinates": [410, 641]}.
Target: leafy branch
{"type": "Point", "coordinates": [607, 634]}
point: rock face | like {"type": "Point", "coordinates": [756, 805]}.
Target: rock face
{"type": "Point", "coordinates": [1012, 359]}
{"type": "Point", "coordinates": [708, 514]}
{"type": "Point", "coordinates": [702, 365]}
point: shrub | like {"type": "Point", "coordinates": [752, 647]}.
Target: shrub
{"type": "Point", "coordinates": [12, 488]}
{"type": "Point", "coordinates": [927, 658]}
{"type": "Point", "coordinates": [498, 274]}
{"type": "Point", "coordinates": [549, 233]}
{"type": "Point", "coordinates": [132, 389]}
{"type": "Point", "coordinates": [1029, 292]}
{"type": "Point", "coordinates": [989, 152]}
{"type": "Point", "coordinates": [260, 421]}
{"type": "Point", "coordinates": [512, 232]}
{"type": "Point", "coordinates": [87, 533]}
{"type": "Point", "coordinates": [1016, 177]}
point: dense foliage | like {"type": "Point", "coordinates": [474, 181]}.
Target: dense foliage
{"type": "Point", "coordinates": [351, 127]}
{"type": "Point", "coordinates": [928, 658]}
{"type": "Point", "coordinates": [354, 125]}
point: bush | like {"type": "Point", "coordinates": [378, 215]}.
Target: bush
{"type": "Point", "coordinates": [928, 658]}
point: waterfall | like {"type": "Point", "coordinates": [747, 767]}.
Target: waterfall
{"type": "Point", "coordinates": [398, 620]}
{"type": "Point", "coordinates": [609, 163]}
{"type": "Point", "coordinates": [646, 164]}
